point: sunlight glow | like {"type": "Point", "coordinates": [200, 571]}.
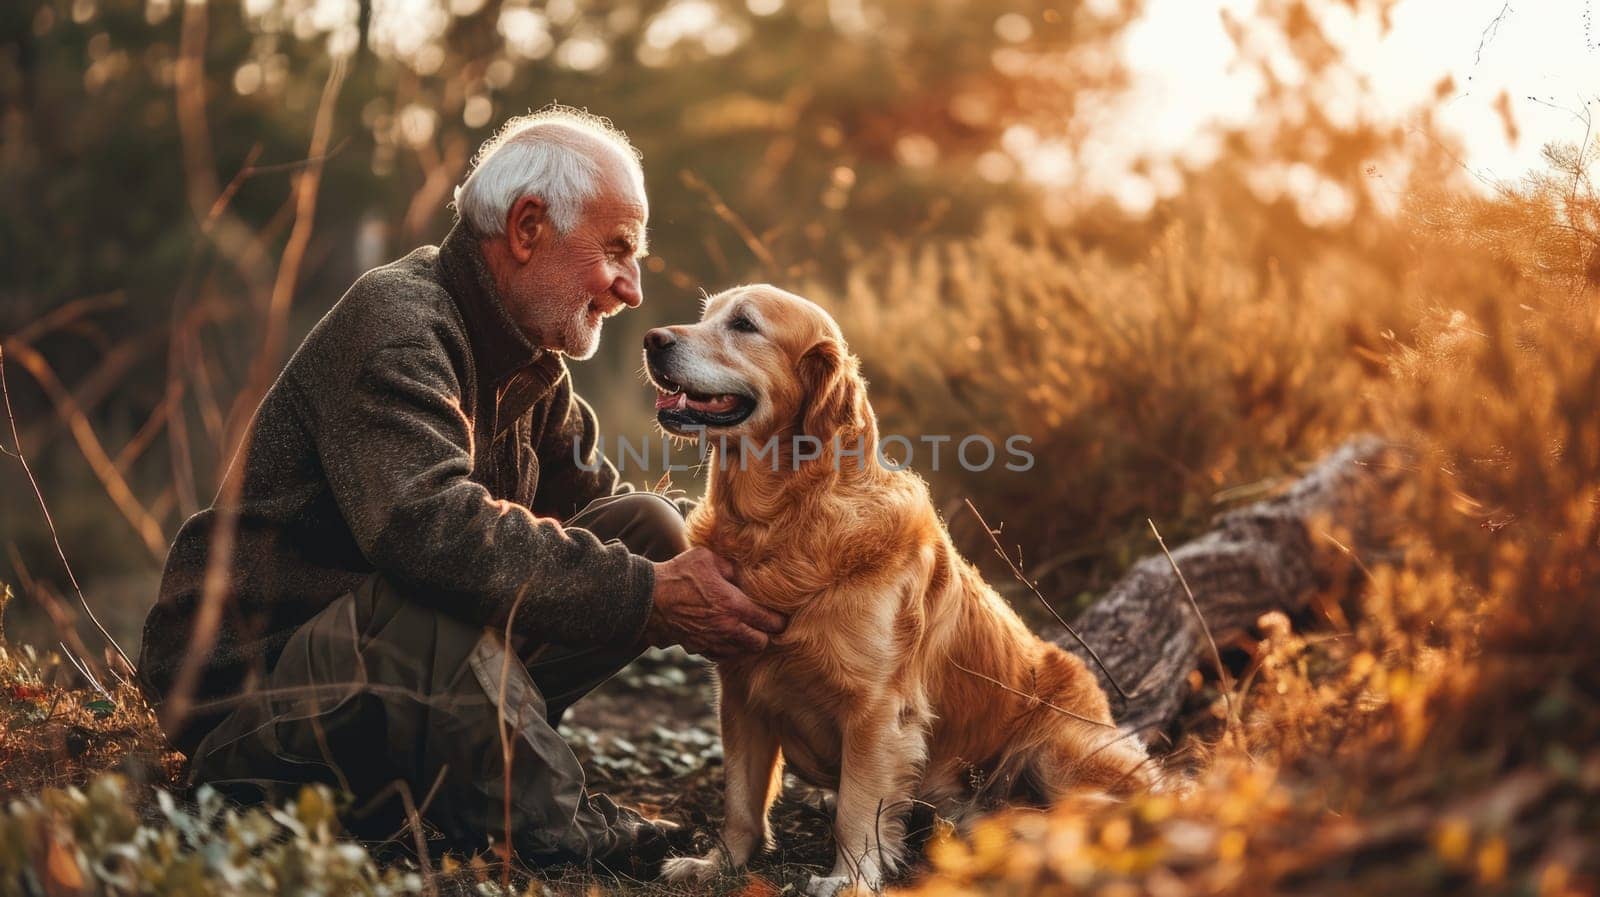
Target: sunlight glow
{"type": "Point", "coordinates": [680, 21]}
{"type": "Point", "coordinates": [585, 51]}
{"type": "Point", "coordinates": [1512, 79]}
{"type": "Point", "coordinates": [527, 32]}
{"type": "Point", "coordinates": [687, 22]}
{"type": "Point", "coordinates": [1520, 76]}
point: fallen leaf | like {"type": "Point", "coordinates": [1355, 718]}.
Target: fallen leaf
{"type": "Point", "coordinates": [61, 869]}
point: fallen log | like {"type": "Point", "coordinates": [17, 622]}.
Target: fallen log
{"type": "Point", "coordinates": [1273, 555]}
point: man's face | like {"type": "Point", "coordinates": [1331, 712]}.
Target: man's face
{"type": "Point", "coordinates": [572, 282]}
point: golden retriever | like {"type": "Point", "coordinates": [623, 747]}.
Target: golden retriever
{"type": "Point", "coordinates": [902, 674]}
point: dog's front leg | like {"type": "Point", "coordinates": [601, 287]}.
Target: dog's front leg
{"type": "Point", "coordinates": [752, 776]}
{"type": "Point", "coordinates": [879, 764]}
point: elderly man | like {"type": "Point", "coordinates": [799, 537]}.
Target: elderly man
{"type": "Point", "coordinates": [421, 480]}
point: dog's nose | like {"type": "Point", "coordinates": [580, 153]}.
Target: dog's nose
{"type": "Point", "coordinates": [659, 339]}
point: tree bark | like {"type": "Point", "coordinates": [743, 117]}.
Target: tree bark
{"type": "Point", "coordinates": [1275, 554]}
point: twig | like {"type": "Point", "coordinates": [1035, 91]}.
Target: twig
{"type": "Point", "coordinates": [1015, 571]}
{"type": "Point", "coordinates": [214, 591]}
{"type": "Point", "coordinates": [441, 176]}
{"type": "Point", "coordinates": [189, 78]}
{"type": "Point", "coordinates": [505, 738]}
{"type": "Point", "coordinates": [109, 373]}
{"type": "Point", "coordinates": [67, 314]}
{"type": "Point", "coordinates": [1490, 30]}
{"type": "Point", "coordinates": [225, 231]}
{"type": "Point", "coordinates": [83, 669]}
{"type": "Point", "coordinates": [111, 479]}
{"type": "Point", "coordinates": [731, 218]}
{"type": "Point", "coordinates": [180, 455]}
{"type": "Point", "coordinates": [49, 713]}
{"type": "Point", "coordinates": [61, 617]}
{"type": "Point", "coordinates": [5, 392]}
{"type": "Point", "coordinates": [430, 888]}
{"type": "Point", "coordinates": [1034, 698]}
{"type": "Point", "coordinates": [1216, 656]}
{"type": "Point", "coordinates": [205, 397]}
{"type": "Point", "coordinates": [413, 821]}
{"type": "Point", "coordinates": [252, 170]}
{"type": "Point", "coordinates": [1349, 553]}
{"type": "Point", "coordinates": [321, 737]}
{"type": "Point", "coordinates": [225, 196]}
{"type": "Point", "coordinates": [143, 438]}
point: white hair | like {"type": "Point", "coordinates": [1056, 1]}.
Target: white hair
{"type": "Point", "coordinates": [551, 154]}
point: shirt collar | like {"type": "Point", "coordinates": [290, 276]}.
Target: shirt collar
{"type": "Point", "coordinates": [498, 344]}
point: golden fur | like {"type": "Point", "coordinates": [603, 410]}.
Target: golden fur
{"type": "Point", "coordinates": [902, 674]}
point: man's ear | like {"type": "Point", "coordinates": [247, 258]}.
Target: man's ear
{"type": "Point", "coordinates": [830, 381]}
{"type": "Point", "coordinates": [527, 227]}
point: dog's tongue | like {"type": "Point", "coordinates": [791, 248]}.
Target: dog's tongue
{"type": "Point", "coordinates": [678, 401]}
{"type": "Point", "coordinates": [715, 404]}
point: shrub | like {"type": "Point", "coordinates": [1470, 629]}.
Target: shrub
{"type": "Point", "coordinates": [91, 841]}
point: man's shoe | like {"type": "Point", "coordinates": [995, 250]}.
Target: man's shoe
{"type": "Point", "coordinates": [639, 845]}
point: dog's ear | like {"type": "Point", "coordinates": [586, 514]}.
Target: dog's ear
{"type": "Point", "coordinates": [830, 380]}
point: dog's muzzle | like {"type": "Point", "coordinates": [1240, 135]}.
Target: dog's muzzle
{"type": "Point", "coordinates": [680, 408]}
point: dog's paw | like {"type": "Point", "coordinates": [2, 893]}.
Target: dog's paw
{"type": "Point", "coordinates": [692, 869]}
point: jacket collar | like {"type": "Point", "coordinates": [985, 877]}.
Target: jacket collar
{"type": "Point", "coordinates": [498, 344]}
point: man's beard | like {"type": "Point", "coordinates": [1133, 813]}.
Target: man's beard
{"type": "Point", "coordinates": [567, 323]}
{"type": "Point", "coordinates": [578, 336]}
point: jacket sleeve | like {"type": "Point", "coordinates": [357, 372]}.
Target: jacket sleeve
{"type": "Point", "coordinates": [397, 452]}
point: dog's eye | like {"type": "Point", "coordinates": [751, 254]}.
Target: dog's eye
{"type": "Point", "coordinates": [742, 324]}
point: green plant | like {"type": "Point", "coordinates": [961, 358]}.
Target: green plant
{"type": "Point", "coordinates": [93, 841]}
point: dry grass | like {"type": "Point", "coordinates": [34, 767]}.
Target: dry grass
{"type": "Point", "coordinates": [1148, 382]}
{"type": "Point", "coordinates": [57, 734]}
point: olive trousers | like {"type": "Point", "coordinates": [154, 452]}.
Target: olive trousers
{"type": "Point", "coordinates": [411, 711]}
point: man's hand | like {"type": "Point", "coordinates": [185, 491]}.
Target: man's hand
{"type": "Point", "coordinates": [697, 607]}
